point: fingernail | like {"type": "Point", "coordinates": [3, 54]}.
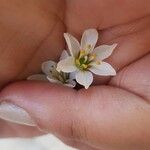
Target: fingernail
{"type": "Point", "coordinates": [12, 113]}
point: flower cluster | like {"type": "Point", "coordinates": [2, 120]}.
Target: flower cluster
{"type": "Point", "coordinates": [49, 68]}
{"type": "Point", "coordinates": [84, 59]}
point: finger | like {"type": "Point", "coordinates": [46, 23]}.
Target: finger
{"type": "Point", "coordinates": [8, 130]}
{"type": "Point", "coordinates": [76, 144]}
{"type": "Point", "coordinates": [133, 43]}
{"type": "Point", "coordinates": [135, 77]}
{"type": "Point", "coordinates": [130, 48]}
{"type": "Point", "coordinates": [106, 117]}
{"type": "Point", "coordinates": [27, 35]}
{"type": "Point", "coordinates": [132, 39]}
{"type": "Point", "coordinates": [105, 13]}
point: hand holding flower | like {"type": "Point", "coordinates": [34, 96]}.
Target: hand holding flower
{"type": "Point", "coordinates": [112, 116]}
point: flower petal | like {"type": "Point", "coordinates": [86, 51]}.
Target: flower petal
{"type": "Point", "coordinates": [53, 80]}
{"type": "Point", "coordinates": [84, 78]}
{"type": "Point", "coordinates": [104, 51]}
{"type": "Point", "coordinates": [71, 83]}
{"type": "Point", "coordinates": [89, 39]}
{"type": "Point", "coordinates": [64, 55]}
{"type": "Point", "coordinates": [72, 75]}
{"type": "Point", "coordinates": [73, 44]}
{"type": "Point", "coordinates": [48, 66]}
{"type": "Point", "coordinates": [104, 69]}
{"type": "Point", "coordinates": [38, 77]}
{"type": "Point", "coordinates": [67, 65]}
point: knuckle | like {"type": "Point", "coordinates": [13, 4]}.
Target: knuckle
{"type": "Point", "coordinates": [78, 129]}
{"type": "Point", "coordinates": [122, 77]}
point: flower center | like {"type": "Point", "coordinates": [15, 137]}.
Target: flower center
{"type": "Point", "coordinates": [84, 60]}
{"type": "Point", "coordinates": [61, 76]}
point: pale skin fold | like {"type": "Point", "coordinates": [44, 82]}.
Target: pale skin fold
{"type": "Point", "coordinates": [111, 117]}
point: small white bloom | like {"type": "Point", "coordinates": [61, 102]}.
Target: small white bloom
{"type": "Point", "coordinates": [85, 59]}
{"type": "Point", "coordinates": [54, 76]}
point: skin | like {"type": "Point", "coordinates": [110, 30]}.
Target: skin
{"type": "Point", "coordinates": [104, 117]}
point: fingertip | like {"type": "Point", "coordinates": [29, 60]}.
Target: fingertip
{"type": "Point", "coordinates": [34, 88]}
{"type": "Point", "coordinates": [47, 104]}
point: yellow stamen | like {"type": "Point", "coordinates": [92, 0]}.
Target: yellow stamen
{"type": "Point", "coordinates": [84, 66]}
{"type": "Point", "coordinates": [77, 61]}
{"type": "Point", "coordinates": [89, 46]}
{"type": "Point", "coordinates": [85, 59]}
{"type": "Point", "coordinates": [98, 62]}
{"type": "Point", "coordinates": [92, 57]}
{"type": "Point", "coordinates": [82, 53]}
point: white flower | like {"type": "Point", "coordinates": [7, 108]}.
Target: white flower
{"type": "Point", "coordinates": [54, 76]}
{"type": "Point", "coordinates": [85, 60]}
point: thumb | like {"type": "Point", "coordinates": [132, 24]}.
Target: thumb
{"type": "Point", "coordinates": [103, 116]}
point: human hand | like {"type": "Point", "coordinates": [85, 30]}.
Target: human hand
{"type": "Point", "coordinates": [133, 43]}
{"type": "Point", "coordinates": [111, 117]}
{"type": "Point", "coordinates": [32, 32]}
